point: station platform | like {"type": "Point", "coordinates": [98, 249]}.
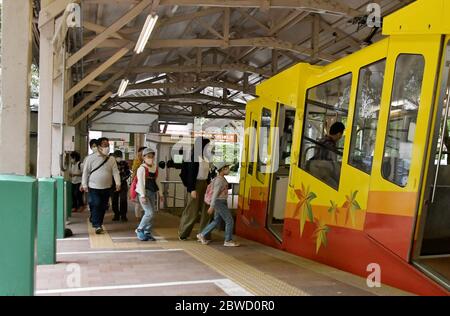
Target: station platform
{"type": "Point", "coordinates": [116, 263]}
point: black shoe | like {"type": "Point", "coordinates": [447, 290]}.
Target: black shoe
{"type": "Point", "coordinates": [183, 238]}
{"type": "Point", "coordinates": [151, 238]}
{"type": "Point", "coordinates": [124, 219]}
{"type": "Point", "coordinates": [116, 218]}
{"type": "Point", "coordinates": [99, 231]}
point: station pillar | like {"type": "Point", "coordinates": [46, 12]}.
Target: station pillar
{"type": "Point", "coordinates": [18, 217]}
{"type": "Point", "coordinates": [46, 234]}
{"type": "Point", "coordinates": [60, 207]}
{"type": "Point", "coordinates": [45, 154]}
{"type": "Point", "coordinates": [15, 87]}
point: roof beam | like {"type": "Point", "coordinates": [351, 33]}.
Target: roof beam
{"type": "Point", "coordinates": [189, 17]}
{"type": "Point", "coordinates": [266, 42]}
{"type": "Point", "coordinates": [251, 17]}
{"type": "Point", "coordinates": [204, 68]}
{"type": "Point", "coordinates": [325, 6]}
{"type": "Point", "coordinates": [112, 43]}
{"type": "Point", "coordinates": [341, 34]}
{"type": "Point", "coordinates": [116, 26]}
{"type": "Point", "coordinates": [192, 84]}
{"type": "Point", "coordinates": [91, 108]}
{"type": "Point", "coordinates": [193, 96]}
{"type": "Point", "coordinates": [285, 21]}
{"type": "Point", "coordinates": [94, 93]}
{"type": "Point", "coordinates": [315, 35]}
{"type": "Point", "coordinates": [320, 6]}
{"type": "Point", "coordinates": [95, 73]}
{"type": "Point", "coordinates": [209, 28]}
{"type": "Point", "coordinates": [99, 29]}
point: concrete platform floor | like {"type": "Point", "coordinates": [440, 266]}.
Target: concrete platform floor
{"type": "Point", "coordinates": [116, 263]}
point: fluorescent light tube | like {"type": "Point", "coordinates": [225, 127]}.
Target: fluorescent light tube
{"type": "Point", "coordinates": [123, 87]}
{"type": "Point", "coordinates": [147, 30]}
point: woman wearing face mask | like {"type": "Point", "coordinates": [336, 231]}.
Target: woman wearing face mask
{"type": "Point", "coordinates": [75, 174]}
{"type": "Point", "coordinates": [120, 198]}
{"type": "Point", "coordinates": [147, 190]}
{"type": "Point", "coordinates": [137, 162]}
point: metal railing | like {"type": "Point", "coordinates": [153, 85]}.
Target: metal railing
{"type": "Point", "coordinates": [174, 195]}
{"type": "Point", "coordinates": [170, 198]}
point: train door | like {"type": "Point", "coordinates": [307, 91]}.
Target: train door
{"type": "Point", "coordinates": [249, 154]}
{"type": "Point", "coordinates": [279, 179]}
{"type": "Point", "coordinates": [401, 143]}
{"type": "Point", "coordinates": [432, 251]}
{"type": "Point", "coordinates": [266, 160]}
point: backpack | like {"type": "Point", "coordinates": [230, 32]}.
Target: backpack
{"type": "Point", "coordinates": [209, 192]}
{"type": "Point", "coordinates": [133, 193]}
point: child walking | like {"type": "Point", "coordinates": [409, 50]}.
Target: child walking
{"type": "Point", "coordinates": [147, 190]}
{"type": "Point", "coordinates": [218, 195]}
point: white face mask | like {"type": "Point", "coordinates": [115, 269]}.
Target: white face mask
{"type": "Point", "coordinates": [94, 150]}
{"type": "Point", "coordinates": [148, 161]}
{"type": "Point", "coordinates": [104, 150]}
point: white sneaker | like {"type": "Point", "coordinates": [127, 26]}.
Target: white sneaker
{"type": "Point", "coordinates": [231, 243]}
{"type": "Point", "coordinates": [202, 239]}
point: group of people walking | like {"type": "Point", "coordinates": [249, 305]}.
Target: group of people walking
{"type": "Point", "coordinates": [103, 176]}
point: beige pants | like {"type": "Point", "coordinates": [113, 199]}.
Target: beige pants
{"type": "Point", "coordinates": [194, 208]}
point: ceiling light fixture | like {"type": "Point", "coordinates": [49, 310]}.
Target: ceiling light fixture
{"type": "Point", "coordinates": [122, 87]}
{"type": "Point", "coordinates": [147, 30]}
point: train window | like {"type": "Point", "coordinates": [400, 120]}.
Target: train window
{"type": "Point", "coordinates": [401, 127]}
{"type": "Point", "coordinates": [286, 132]}
{"type": "Point", "coordinates": [263, 150]}
{"type": "Point", "coordinates": [365, 120]}
{"type": "Point", "coordinates": [321, 153]}
{"type": "Point", "coordinates": [251, 153]}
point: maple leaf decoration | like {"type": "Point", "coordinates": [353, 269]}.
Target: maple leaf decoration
{"type": "Point", "coordinates": [320, 234]}
{"type": "Point", "coordinates": [304, 208]}
{"type": "Point", "coordinates": [334, 211]}
{"type": "Point", "coordinates": [351, 205]}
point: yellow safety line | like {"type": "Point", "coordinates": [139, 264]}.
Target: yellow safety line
{"type": "Point", "coordinates": [248, 277]}
{"type": "Point", "coordinates": [101, 240]}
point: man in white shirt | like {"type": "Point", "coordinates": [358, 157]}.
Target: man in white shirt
{"type": "Point", "coordinates": [98, 172]}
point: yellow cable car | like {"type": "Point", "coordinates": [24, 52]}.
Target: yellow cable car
{"type": "Point", "coordinates": [376, 200]}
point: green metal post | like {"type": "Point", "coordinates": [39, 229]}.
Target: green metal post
{"type": "Point", "coordinates": [46, 234]}
{"type": "Point", "coordinates": [60, 207]}
{"type": "Point", "coordinates": [18, 220]}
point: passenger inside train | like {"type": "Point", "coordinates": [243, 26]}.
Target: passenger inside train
{"type": "Point", "coordinates": [324, 164]}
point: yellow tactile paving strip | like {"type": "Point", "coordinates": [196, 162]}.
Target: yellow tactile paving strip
{"type": "Point", "coordinates": [99, 241]}
{"type": "Point", "coordinates": [248, 277]}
